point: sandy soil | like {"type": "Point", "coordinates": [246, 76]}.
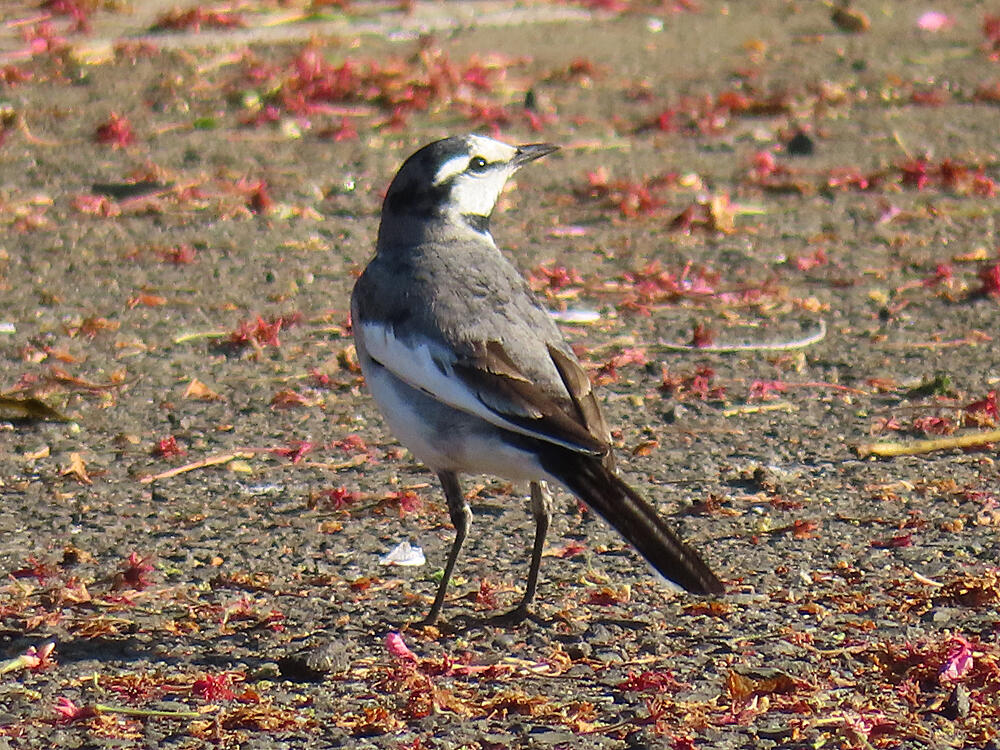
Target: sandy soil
{"type": "Point", "coordinates": [183, 217]}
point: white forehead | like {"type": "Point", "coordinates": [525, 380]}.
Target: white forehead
{"type": "Point", "coordinates": [478, 145]}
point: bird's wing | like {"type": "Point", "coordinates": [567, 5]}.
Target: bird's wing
{"type": "Point", "coordinates": [484, 380]}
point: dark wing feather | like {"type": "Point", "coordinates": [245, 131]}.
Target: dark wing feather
{"type": "Point", "coordinates": [492, 374]}
{"type": "Point", "coordinates": [578, 384]}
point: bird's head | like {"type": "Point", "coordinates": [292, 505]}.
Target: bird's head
{"type": "Point", "coordinates": [457, 179]}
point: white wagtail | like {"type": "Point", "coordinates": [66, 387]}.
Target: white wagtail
{"type": "Point", "coordinates": [470, 371]}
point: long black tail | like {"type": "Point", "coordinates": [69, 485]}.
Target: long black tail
{"type": "Point", "coordinates": [634, 519]}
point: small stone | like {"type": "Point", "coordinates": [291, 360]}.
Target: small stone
{"type": "Point", "coordinates": [800, 145]}
{"type": "Point", "coordinates": [957, 705]}
{"type": "Point", "coordinates": [313, 663]}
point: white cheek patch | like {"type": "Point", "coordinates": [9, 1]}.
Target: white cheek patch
{"type": "Point", "coordinates": [477, 194]}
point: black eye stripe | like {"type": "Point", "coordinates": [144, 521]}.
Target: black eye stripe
{"type": "Point", "coordinates": [478, 164]}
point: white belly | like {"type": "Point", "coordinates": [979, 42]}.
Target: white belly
{"type": "Point", "coordinates": [446, 439]}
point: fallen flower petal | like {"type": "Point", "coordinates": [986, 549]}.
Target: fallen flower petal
{"type": "Point", "coordinates": [116, 132]}
{"type": "Point", "coordinates": [934, 20]}
{"type": "Point", "coordinates": [213, 687]}
{"type": "Point", "coordinates": [398, 649]}
{"type": "Point", "coordinates": [959, 661]}
{"type": "Point", "coordinates": [68, 711]}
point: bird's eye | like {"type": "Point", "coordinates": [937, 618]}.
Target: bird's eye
{"type": "Point", "coordinates": [478, 164]}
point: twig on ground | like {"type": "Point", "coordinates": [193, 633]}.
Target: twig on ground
{"type": "Point", "coordinates": [775, 346]}
{"type": "Point", "coordinates": [885, 450]}
{"type": "Point", "coordinates": [147, 712]}
{"type": "Point", "coordinates": [223, 458]}
{"type": "Point", "coordinates": [757, 408]}
{"type": "Point", "coordinates": [186, 337]}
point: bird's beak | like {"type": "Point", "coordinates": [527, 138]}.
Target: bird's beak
{"type": "Point", "coordinates": [530, 152]}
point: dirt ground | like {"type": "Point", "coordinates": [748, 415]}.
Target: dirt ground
{"type": "Point", "coordinates": [197, 489]}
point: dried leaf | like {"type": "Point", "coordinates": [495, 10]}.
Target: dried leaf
{"type": "Point", "coordinates": [77, 469]}
{"type": "Point", "coordinates": [197, 389]}
{"type": "Point", "coordinates": [14, 408]}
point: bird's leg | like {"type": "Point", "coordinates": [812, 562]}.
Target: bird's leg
{"type": "Point", "coordinates": [461, 519]}
{"type": "Point", "coordinates": [541, 509]}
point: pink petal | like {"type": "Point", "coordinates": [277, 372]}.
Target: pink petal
{"type": "Point", "coordinates": [398, 648]}
{"type": "Point", "coordinates": [934, 20]}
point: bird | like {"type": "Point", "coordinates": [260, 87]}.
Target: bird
{"type": "Point", "coordinates": [470, 371]}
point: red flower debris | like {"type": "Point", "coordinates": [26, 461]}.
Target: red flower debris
{"type": "Point", "coordinates": [983, 413]}
{"type": "Point", "coordinates": [580, 70]}
{"type": "Point", "coordinates": [893, 542]}
{"type": "Point", "coordinates": [651, 680]}
{"type": "Point", "coordinates": [296, 451]}
{"type": "Point", "coordinates": [803, 529]}
{"type": "Point", "coordinates": [702, 336]}
{"type": "Point", "coordinates": [990, 276]}
{"type": "Point", "coordinates": [352, 444]}
{"type": "Point", "coordinates": [134, 689]}
{"type": "Point", "coordinates": [168, 448]}
{"type": "Point", "coordinates": [608, 597]}
{"type": "Point", "coordinates": [851, 178]}
{"type": "Point", "coordinates": [631, 199]}
{"type": "Point", "coordinates": [917, 174]}
{"type": "Point", "coordinates": [991, 30]}
{"type": "Point", "coordinates": [712, 115]}
{"type": "Point", "coordinates": [308, 85]}
{"type": "Point", "coordinates": [943, 274]}
{"type": "Point", "coordinates": [116, 132]}
{"type": "Point", "coordinates": [287, 398]}
{"type": "Point", "coordinates": [214, 687]}
{"type": "Point", "coordinates": [554, 279]}
{"type": "Point", "coordinates": [934, 425]}
{"type": "Point", "coordinates": [258, 197]}
{"type": "Point", "coordinates": [885, 424]}
{"type": "Point", "coordinates": [930, 97]}
{"type": "Point", "coordinates": [959, 660]}
{"type": "Point", "coordinates": [320, 379]}
{"type": "Point", "coordinates": [345, 131]}
{"type": "Point", "coordinates": [714, 213]}
{"type": "Point", "coordinates": [67, 711]}
{"type": "Point", "coordinates": [486, 596]}
{"type": "Point", "coordinates": [814, 260]}
{"type": "Point", "coordinates": [762, 389]}
{"type": "Point", "coordinates": [135, 574]}
{"type": "Point", "coordinates": [10, 75]}
{"type": "Point", "coordinates": [698, 384]}
{"type": "Point", "coordinates": [653, 285]}
{"type": "Point", "coordinates": [42, 38]}
{"type": "Point", "coordinates": [78, 10]}
{"type": "Point", "coordinates": [341, 498]}
{"type": "Point", "coordinates": [262, 333]}
{"type": "Point", "coordinates": [988, 92]}
{"type": "Point", "coordinates": [398, 649]}
{"type": "Point", "coordinates": [195, 19]}
{"type": "Point", "coordinates": [754, 104]}
{"type": "Point", "coordinates": [180, 255]}
{"type": "Point", "coordinates": [608, 372]}
{"type": "Point", "coordinates": [963, 179]}
{"type": "Point", "coordinates": [765, 166]}
{"type": "Point", "coordinates": [96, 205]}
{"type": "Point", "coordinates": [944, 662]}
{"type": "Point", "coordinates": [35, 568]}
{"type": "Point", "coordinates": [407, 501]}
{"type": "Point", "coordinates": [34, 659]}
